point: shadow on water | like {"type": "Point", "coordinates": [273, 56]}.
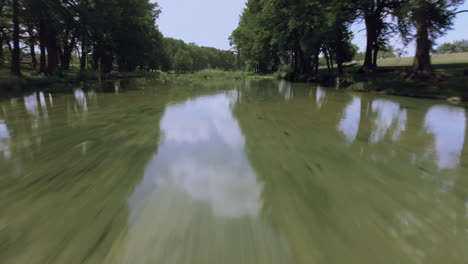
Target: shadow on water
{"type": "Point", "coordinates": [69, 162]}
{"type": "Point", "coordinates": [353, 178]}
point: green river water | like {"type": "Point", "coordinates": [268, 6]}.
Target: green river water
{"type": "Point", "coordinates": [139, 171]}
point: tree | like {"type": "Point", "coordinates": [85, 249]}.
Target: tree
{"type": "Point", "coordinates": [176, 55]}
{"type": "Point", "coordinates": [430, 19]}
{"type": "Point", "coordinates": [387, 51]}
{"type": "Point", "coordinates": [375, 13]}
{"type": "Point", "coordinates": [182, 61]}
{"type": "Point", "coordinates": [106, 34]}
{"type": "Point", "coordinates": [455, 47]}
{"type": "Point", "coordinates": [399, 52]}
{"type": "Point", "coordinates": [292, 34]}
{"type": "Point", "coordinates": [2, 6]}
{"type": "Point", "coordinates": [15, 57]}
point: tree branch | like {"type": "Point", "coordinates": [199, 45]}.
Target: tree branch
{"type": "Point", "coordinates": [461, 11]}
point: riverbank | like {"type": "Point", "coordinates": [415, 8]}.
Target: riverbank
{"type": "Point", "coordinates": [450, 79]}
{"type": "Point", "coordinates": [31, 81]}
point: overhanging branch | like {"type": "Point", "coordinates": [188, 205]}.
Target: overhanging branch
{"type": "Point", "coordinates": [461, 11]}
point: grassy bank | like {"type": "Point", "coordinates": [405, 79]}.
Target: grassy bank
{"type": "Point", "coordinates": [454, 58]}
{"type": "Point", "coordinates": [30, 80]}
{"type": "Point", "coordinates": [449, 81]}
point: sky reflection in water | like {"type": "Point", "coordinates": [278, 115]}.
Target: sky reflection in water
{"type": "Point", "coordinates": [448, 125]}
{"type": "Point", "coordinates": [349, 125]}
{"type": "Point", "coordinates": [274, 173]}
{"type": "Point", "coordinates": [203, 156]}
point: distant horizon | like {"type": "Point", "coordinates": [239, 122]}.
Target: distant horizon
{"type": "Point", "coordinates": [209, 23]}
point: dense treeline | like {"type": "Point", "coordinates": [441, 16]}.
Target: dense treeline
{"type": "Point", "coordinates": [103, 35]}
{"type": "Point", "coordinates": [296, 35]}
{"type": "Point", "coordinates": [184, 57]}
{"type": "Point", "coordinates": [454, 47]}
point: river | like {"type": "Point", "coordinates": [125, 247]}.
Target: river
{"type": "Point", "coordinates": [141, 171]}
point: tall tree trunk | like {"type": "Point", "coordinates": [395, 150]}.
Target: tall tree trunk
{"type": "Point", "coordinates": [1, 48]}
{"type": "Point", "coordinates": [42, 47]}
{"type": "Point", "coordinates": [276, 60]}
{"type": "Point", "coordinates": [60, 54]}
{"type": "Point", "coordinates": [373, 17]}
{"type": "Point", "coordinates": [332, 66]}
{"type": "Point", "coordinates": [107, 60]}
{"type": "Point", "coordinates": [316, 61]}
{"type": "Point", "coordinates": [32, 50]}
{"type": "Point", "coordinates": [327, 59]}
{"type": "Point", "coordinates": [2, 4]}
{"type": "Point", "coordinates": [8, 42]}
{"type": "Point", "coordinates": [69, 43]}
{"type": "Point", "coordinates": [339, 51]}
{"type": "Point", "coordinates": [422, 61]}
{"type": "Point", "coordinates": [67, 56]}
{"type": "Point", "coordinates": [83, 58]}
{"type": "Point", "coordinates": [302, 65]}
{"type": "Point", "coordinates": [370, 42]}
{"type": "Point", "coordinates": [375, 55]}
{"type": "Point", "coordinates": [96, 57]}
{"type": "Point", "coordinates": [295, 62]}
{"type": "Point", "coordinates": [297, 54]}
{"type": "Point", "coordinates": [379, 28]}
{"type": "Point", "coordinates": [52, 51]}
{"type": "Point", "coordinates": [84, 53]}
{"type": "Point", "coordinates": [15, 56]}
{"type": "Point", "coordinates": [84, 35]}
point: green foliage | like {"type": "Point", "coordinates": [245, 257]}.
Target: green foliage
{"type": "Point", "coordinates": [101, 35]}
{"type": "Point", "coordinates": [359, 56]}
{"type": "Point", "coordinates": [387, 52]}
{"type": "Point", "coordinates": [454, 47]}
{"type": "Point", "coordinates": [280, 34]}
{"type": "Point", "coordinates": [304, 35]}
{"type": "Point", "coordinates": [183, 61]}
{"type": "Point", "coordinates": [438, 14]}
{"type": "Point", "coordinates": [182, 57]}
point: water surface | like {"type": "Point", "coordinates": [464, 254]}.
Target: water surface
{"type": "Point", "coordinates": [139, 171]}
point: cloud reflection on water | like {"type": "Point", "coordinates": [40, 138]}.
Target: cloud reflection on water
{"type": "Point", "coordinates": [448, 125]}
{"type": "Point", "coordinates": [4, 140]}
{"type": "Point", "coordinates": [349, 125]}
{"type": "Point", "coordinates": [202, 155]}
{"type": "Point", "coordinates": [388, 117]}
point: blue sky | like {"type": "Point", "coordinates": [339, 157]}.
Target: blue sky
{"type": "Point", "coordinates": [210, 22]}
{"type": "Point", "coordinates": [205, 22]}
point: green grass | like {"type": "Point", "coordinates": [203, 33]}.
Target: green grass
{"type": "Point", "coordinates": [449, 78]}
{"type": "Point", "coordinates": [209, 74]}
{"type": "Point", "coordinates": [455, 58]}
{"type": "Point", "coordinates": [30, 80]}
